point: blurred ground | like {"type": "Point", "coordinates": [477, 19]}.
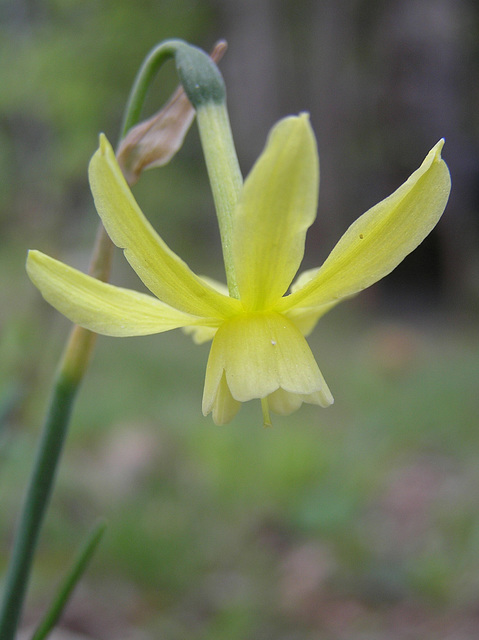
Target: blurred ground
{"type": "Point", "coordinates": [360, 521]}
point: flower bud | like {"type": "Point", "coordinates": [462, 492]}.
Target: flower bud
{"type": "Point", "coordinates": [155, 141]}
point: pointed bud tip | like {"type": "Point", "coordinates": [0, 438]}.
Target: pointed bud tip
{"type": "Point", "coordinates": [435, 154]}
{"type": "Point", "coordinates": [219, 50]}
{"type": "Point", "coordinates": [438, 147]}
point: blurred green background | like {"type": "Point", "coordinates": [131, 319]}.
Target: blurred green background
{"type": "Point", "coordinates": [360, 521]}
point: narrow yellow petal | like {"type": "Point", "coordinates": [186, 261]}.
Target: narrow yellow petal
{"type": "Point", "coordinates": [277, 205]}
{"type": "Point", "coordinates": [98, 306]}
{"type": "Point", "coordinates": [161, 270]}
{"type": "Point", "coordinates": [259, 353]}
{"type": "Point", "coordinates": [381, 238]}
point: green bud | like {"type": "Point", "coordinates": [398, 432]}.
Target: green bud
{"type": "Point", "coordinates": [199, 75]}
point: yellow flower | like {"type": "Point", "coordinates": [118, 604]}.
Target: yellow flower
{"type": "Point", "coordinates": [259, 349]}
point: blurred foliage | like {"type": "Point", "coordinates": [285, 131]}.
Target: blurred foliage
{"type": "Point", "coordinates": [359, 521]}
{"type": "Point", "coordinates": [383, 82]}
{"type": "Point", "coordinates": [360, 517]}
{"type": "Point", "coordinates": [66, 70]}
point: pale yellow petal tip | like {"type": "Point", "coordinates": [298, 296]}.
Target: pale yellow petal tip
{"type": "Point", "coordinates": [33, 258]}
{"type": "Point", "coordinates": [323, 397]}
{"type": "Point", "coordinates": [436, 150]}
{"type": "Point", "coordinates": [300, 121]}
{"type": "Point", "coordinates": [304, 120]}
{"type": "Point", "coordinates": [105, 149]}
{"type": "Point", "coordinates": [103, 145]}
{"type": "Point", "coordinates": [103, 155]}
{"type": "Point", "coordinates": [37, 265]}
{"type": "Point", "coordinates": [433, 157]}
{"type": "Point", "coordinates": [327, 398]}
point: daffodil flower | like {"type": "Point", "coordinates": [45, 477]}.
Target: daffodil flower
{"type": "Point", "coordinates": [259, 348]}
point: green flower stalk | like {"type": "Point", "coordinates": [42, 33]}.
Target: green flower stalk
{"type": "Point", "coordinates": [259, 322]}
{"type": "Point", "coordinates": [71, 370]}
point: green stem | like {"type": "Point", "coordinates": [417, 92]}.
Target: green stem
{"type": "Point", "coordinates": [225, 177]}
{"type": "Point", "coordinates": [145, 76]}
{"type": "Point", "coordinates": [74, 363]}
{"type": "Point", "coordinates": [205, 89]}
{"type": "Point", "coordinates": [75, 360]}
{"type": "Point", "coordinates": [37, 498]}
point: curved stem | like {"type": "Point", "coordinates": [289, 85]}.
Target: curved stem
{"type": "Point", "coordinates": [73, 365]}
{"type": "Point", "coordinates": [204, 87]}
{"type": "Point", "coordinates": [145, 76]}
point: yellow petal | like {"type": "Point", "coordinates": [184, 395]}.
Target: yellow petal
{"type": "Point", "coordinates": [214, 284]}
{"type": "Point", "coordinates": [284, 403]}
{"type": "Point", "coordinates": [277, 205]}
{"type": "Point", "coordinates": [98, 306]}
{"type": "Point", "coordinates": [381, 238]}
{"type": "Point", "coordinates": [200, 335]}
{"type": "Point", "coordinates": [225, 407]}
{"type": "Point", "coordinates": [259, 353]}
{"type": "Point", "coordinates": [161, 270]}
{"type": "Point", "coordinates": [306, 318]}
